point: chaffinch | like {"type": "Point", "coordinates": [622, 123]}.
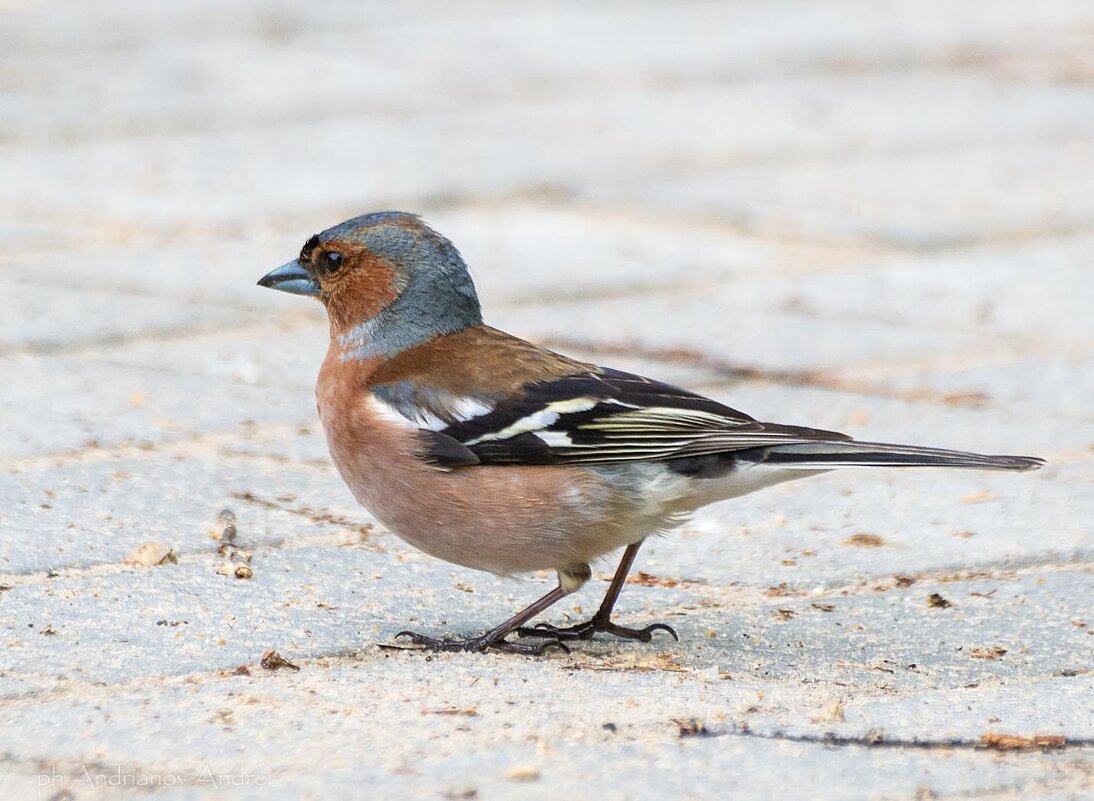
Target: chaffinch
{"type": "Point", "coordinates": [490, 452]}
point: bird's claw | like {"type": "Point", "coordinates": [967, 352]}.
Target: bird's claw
{"type": "Point", "coordinates": [586, 630]}
{"type": "Point", "coordinates": [483, 644]}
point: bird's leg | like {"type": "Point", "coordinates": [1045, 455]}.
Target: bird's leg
{"type": "Point", "coordinates": [601, 621]}
{"type": "Point", "coordinates": [495, 638]}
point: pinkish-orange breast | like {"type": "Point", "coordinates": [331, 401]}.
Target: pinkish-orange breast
{"type": "Point", "coordinates": [504, 519]}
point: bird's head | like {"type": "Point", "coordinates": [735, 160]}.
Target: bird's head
{"type": "Point", "coordinates": [387, 280]}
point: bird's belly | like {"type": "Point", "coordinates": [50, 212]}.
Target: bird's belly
{"type": "Point", "coordinates": [503, 519]}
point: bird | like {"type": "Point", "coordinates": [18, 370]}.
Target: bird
{"type": "Point", "coordinates": [493, 453]}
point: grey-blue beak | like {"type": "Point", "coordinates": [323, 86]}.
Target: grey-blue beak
{"type": "Point", "coordinates": [291, 278]}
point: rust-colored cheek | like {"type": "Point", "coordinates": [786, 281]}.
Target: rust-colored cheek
{"type": "Point", "coordinates": [366, 287]}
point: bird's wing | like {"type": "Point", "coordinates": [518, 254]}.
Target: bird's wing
{"type": "Point", "coordinates": [602, 416]}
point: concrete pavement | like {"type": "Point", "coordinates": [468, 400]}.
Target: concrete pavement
{"type": "Point", "coordinates": [877, 219]}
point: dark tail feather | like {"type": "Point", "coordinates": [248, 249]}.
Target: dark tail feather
{"type": "Point", "coordinates": [824, 455]}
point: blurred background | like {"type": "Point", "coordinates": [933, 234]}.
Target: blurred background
{"type": "Point", "coordinates": [867, 190]}
{"type": "Point", "coordinates": [869, 216]}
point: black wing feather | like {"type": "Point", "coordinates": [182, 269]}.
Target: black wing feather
{"type": "Point", "coordinates": [609, 416]}
{"type": "Point", "coordinates": [445, 452]}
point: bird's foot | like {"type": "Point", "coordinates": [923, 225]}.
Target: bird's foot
{"type": "Point", "coordinates": [586, 630]}
{"type": "Point", "coordinates": [485, 643]}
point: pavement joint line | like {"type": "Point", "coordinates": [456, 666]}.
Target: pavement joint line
{"type": "Point", "coordinates": [713, 222]}
{"type": "Point", "coordinates": [870, 740]}
{"type": "Point", "coordinates": [319, 465]}
{"type": "Point", "coordinates": [956, 58]}
{"type": "Point", "coordinates": [860, 243]}
{"type": "Point", "coordinates": [953, 56]}
{"type": "Point", "coordinates": [972, 358]}
{"type": "Point", "coordinates": [368, 650]}
{"type": "Point", "coordinates": [139, 293]}
{"type": "Point", "coordinates": [192, 444]}
{"type": "Point", "coordinates": [963, 244]}
{"type": "Point", "coordinates": [364, 530]}
{"type": "Point", "coordinates": [732, 227]}
{"type": "Point", "coordinates": [92, 454]}
{"type": "Point", "coordinates": [545, 91]}
{"type": "Point", "coordinates": [1009, 339]}
{"type": "Point", "coordinates": [739, 596]}
{"type": "Point", "coordinates": [39, 577]}
{"type": "Point", "coordinates": [148, 236]}
{"type": "Point", "coordinates": [254, 321]}
{"type": "Point", "coordinates": [958, 245]}
{"type": "Point", "coordinates": [584, 293]}
{"type": "Point", "coordinates": [85, 347]}
{"type": "Point", "coordinates": [1078, 561]}
{"type": "Point", "coordinates": [110, 359]}
{"type": "Point", "coordinates": [879, 741]}
{"type": "Point", "coordinates": [72, 767]}
{"type": "Point", "coordinates": [1051, 788]}
{"type": "Point", "coordinates": [197, 372]}
{"type": "Point", "coordinates": [736, 371]}
{"type": "Point", "coordinates": [807, 158]}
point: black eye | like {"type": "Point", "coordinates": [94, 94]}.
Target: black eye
{"type": "Point", "coordinates": [331, 261]}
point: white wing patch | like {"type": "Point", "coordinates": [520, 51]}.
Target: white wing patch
{"type": "Point", "coordinates": [391, 414]}
{"type": "Point", "coordinates": [464, 409]}
{"type": "Point", "coordinates": [546, 416]}
{"type": "Point", "coordinates": [555, 439]}
{"type": "Point", "coordinates": [460, 409]}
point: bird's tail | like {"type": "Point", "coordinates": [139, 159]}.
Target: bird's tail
{"type": "Point", "coordinates": [850, 453]}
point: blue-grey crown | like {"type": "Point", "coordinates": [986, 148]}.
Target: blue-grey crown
{"type": "Point", "coordinates": [437, 297]}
